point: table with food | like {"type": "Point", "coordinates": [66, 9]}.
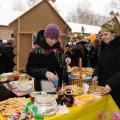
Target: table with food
{"type": "Point", "coordinates": [70, 102]}
{"type": "Point", "coordinates": [67, 104]}
{"type": "Point", "coordinates": [18, 83]}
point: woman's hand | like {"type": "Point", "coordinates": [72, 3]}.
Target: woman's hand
{"type": "Point", "coordinates": [95, 80]}
{"type": "Point", "coordinates": [68, 61]}
{"type": "Point", "coordinates": [107, 89]}
{"type": "Point", "coordinates": [51, 76]}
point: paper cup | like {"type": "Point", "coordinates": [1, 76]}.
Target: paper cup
{"type": "Point", "coordinates": [85, 87]}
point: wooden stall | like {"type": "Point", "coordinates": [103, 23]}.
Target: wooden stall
{"type": "Point", "coordinates": [29, 23]}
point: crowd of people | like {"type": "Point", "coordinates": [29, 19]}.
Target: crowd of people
{"type": "Point", "coordinates": [47, 61]}
{"type": "Point", "coordinates": [82, 49]}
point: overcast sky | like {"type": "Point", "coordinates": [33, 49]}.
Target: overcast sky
{"type": "Point", "coordinates": [64, 6]}
{"type": "Point", "coordinates": [67, 5]}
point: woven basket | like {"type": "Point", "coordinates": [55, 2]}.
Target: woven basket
{"type": "Point", "coordinates": [73, 82]}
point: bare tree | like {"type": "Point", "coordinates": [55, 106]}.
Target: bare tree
{"type": "Point", "coordinates": [114, 4]}
{"type": "Point", "coordinates": [83, 14]}
{"type": "Point", "coordinates": [22, 5]}
{"type": "Point", "coordinates": [18, 5]}
{"type": "Point", "coordinates": [31, 3]}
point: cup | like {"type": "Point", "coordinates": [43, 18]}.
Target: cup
{"type": "Point", "coordinates": [56, 82]}
{"type": "Point", "coordinates": [85, 87]}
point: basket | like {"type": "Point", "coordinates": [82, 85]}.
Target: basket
{"type": "Point", "coordinates": [73, 82]}
{"type": "Point", "coordinates": [77, 81]}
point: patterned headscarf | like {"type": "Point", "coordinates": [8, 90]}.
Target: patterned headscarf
{"type": "Point", "coordinates": [109, 26]}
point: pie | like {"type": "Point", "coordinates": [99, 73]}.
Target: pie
{"type": "Point", "coordinates": [96, 89]}
{"type": "Point", "coordinates": [76, 90]}
{"type": "Point", "coordinates": [85, 99]}
{"type": "Point", "coordinates": [12, 105]}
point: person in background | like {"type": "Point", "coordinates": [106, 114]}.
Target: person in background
{"type": "Point", "coordinates": [68, 50]}
{"type": "Point", "coordinates": [4, 92]}
{"type": "Point", "coordinates": [46, 60]}
{"type": "Point", "coordinates": [7, 56]}
{"type": "Point", "coordinates": [79, 51]}
{"type": "Point", "coordinates": [91, 55]}
{"type": "Point", "coordinates": [2, 59]}
{"type": "Point", "coordinates": [107, 70]}
{"type": "Point", "coordinates": [72, 42]}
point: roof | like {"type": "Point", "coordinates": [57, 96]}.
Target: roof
{"type": "Point", "coordinates": [36, 6]}
{"type": "Point", "coordinates": [76, 27]}
{"type": "Point", "coordinates": [7, 16]}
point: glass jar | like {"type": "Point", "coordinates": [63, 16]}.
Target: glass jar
{"type": "Point", "coordinates": [68, 99]}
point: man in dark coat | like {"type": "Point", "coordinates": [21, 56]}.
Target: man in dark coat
{"type": "Point", "coordinates": [4, 93]}
{"type": "Point", "coordinates": [91, 55]}
{"type": "Point", "coordinates": [6, 58]}
{"type": "Point", "coordinates": [46, 58]}
{"type": "Point", "coordinates": [107, 70]}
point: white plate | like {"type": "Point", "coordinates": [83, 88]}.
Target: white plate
{"type": "Point", "coordinates": [5, 74]}
{"type": "Point", "coordinates": [54, 111]}
{"type": "Point", "coordinates": [14, 84]}
{"type": "Point", "coordinates": [96, 93]}
{"type": "Point", "coordinates": [24, 88]}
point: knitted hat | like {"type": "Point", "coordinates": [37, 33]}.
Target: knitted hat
{"type": "Point", "coordinates": [52, 31]}
{"type": "Point", "coordinates": [109, 26]}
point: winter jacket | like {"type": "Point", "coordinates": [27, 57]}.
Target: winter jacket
{"type": "Point", "coordinates": [108, 67]}
{"type": "Point", "coordinates": [4, 93]}
{"type": "Point", "coordinates": [92, 57]}
{"type": "Point", "coordinates": [6, 59]}
{"type": "Point", "coordinates": [44, 58]}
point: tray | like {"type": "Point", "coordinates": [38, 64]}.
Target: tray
{"type": "Point", "coordinates": [98, 90]}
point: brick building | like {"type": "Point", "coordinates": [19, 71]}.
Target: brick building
{"type": "Point", "coordinates": [7, 16]}
{"type": "Point", "coordinates": [5, 33]}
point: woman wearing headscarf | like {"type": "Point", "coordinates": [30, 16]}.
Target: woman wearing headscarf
{"type": "Point", "coordinates": [46, 60]}
{"type": "Point", "coordinates": [107, 70]}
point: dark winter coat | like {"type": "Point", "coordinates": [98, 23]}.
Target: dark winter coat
{"type": "Point", "coordinates": [6, 59]}
{"type": "Point", "coordinates": [108, 67]}
{"type": "Point", "coordinates": [92, 57]}
{"type": "Point", "coordinates": [39, 63]}
{"type": "Point", "coordinates": [4, 93]}
{"type": "Point", "coordinates": [79, 52]}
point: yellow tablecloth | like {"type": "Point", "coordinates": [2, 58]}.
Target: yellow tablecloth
{"type": "Point", "coordinates": [101, 109]}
